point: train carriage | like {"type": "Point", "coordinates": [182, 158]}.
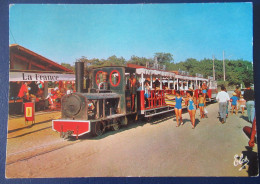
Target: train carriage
{"type": "Point", "coordinates": [117, 94]}
{"type": "Point", "coordinates": [155, 103]}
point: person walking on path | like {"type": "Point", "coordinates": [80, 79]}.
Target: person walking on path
{"type": "Point", "coordinates": [227, 105]}
{"type": "Point", "coordinates": [201, 104]}
{"type": "Point", "coordinates": [234, 100]}
{"type": "Point", "coordinates": [222, 98]}
{"type": "Point", "coordinates": [250, 103]}
{"type": "Point", "coordinates": [178, 108]}
{"type": "Point", "coordinates": [238, 92]}
{"type": "Point", "coordinates": [242, 103]}
{"type": "Point", "coordinates": [204, 89]}
{"type": "Point", "coordinates": [191, 102]}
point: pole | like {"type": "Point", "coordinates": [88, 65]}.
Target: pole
{"type": "Point", "coordinates": [160, 82]}
{"type": "Point", "coordinates": [151, 81]}
{"type": "Point", "coordinates": [224, 73]}
{"type": "Point", "coordinates": [142, 80]}
{"type": "Point", "coordinates": [213, 68]}
{"type": "Point", "coordinates": [177, 84]}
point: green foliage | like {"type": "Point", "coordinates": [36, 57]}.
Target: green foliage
{"type": "Point", "coordinates": [115, 61]}
{"type": "Point", "coordinates": [237, 71]}
{"type": "Point", "coordinates": [139, 60]}
{"type": "Point", "coordinates": [164, 58]}
{"type": "Point", "coordinates": [222, 83]}
{"type": "Point", "coordinates": [66, 65]}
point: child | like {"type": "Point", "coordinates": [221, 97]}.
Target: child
{"type": "Point", "coordinates": [234, 103]}
{"type": "Point", "coordinates": [201, 103]}
{"type": "Point", "coordinates": [191, 102]}
{"type": "Point", "coordinates": [242, 103]}
{"type": "Point", "coordinates": [178, 108]}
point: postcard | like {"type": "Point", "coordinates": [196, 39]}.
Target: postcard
{"type": "Point", "coordinates": [131, 90]}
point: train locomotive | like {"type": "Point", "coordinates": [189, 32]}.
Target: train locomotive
{"type": "Point", "coordinates": [112, 98]}
{"type": "Point", "coordinates": [106, 105]}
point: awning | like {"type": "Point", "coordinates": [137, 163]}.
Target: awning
{"type": "Point", "coordinates": [179, 77]}
{"type": "Point", "coordinates": [24, 76]}
{"type": "Point", "coordinates": [201, 79]}
{"type": "Point", "coordinates": [149, 72]}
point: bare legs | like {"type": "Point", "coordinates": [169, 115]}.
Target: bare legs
{"type": "Point", "coordinates": [234, 107]}
{"type": "Point", "coordinates": [202, 115]}
{"type": "Point", "coordinates": [178, 115]}
{"type": "Point", "coordinates": [192, 117]}
{"type": "Point", "coordinates": [243, 108]}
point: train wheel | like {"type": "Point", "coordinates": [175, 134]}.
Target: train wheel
{"type": "Point", "coordinates": [124, 121]}
{"type": "Point", "coordinates": [148, 119]}
{"type": "Point", "coordinates": [116, 125]}
{"type": "Point", "coordinates": [99, 128]}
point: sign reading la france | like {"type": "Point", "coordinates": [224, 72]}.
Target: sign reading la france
{"type": "Point", "coordinates": [39, 77]}
{"type": "Point", "coordinates": [23, 76]}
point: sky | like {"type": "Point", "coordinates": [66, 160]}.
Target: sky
{"type": "Point", "coordinates": [64, 33]}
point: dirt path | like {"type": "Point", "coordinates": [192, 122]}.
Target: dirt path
{"type": "Point", "coordinates": [157, 148]}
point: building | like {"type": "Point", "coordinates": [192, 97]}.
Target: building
{"type": "Point", "coordinates": [40, 76]}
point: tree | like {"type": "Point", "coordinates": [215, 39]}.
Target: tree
{"type": "Point", "coordinates": [67, 65]}
{"type": "Point", "coordinates": [164, 58]}
{"type": "Point", "coordinates": [115, 61]}
{"type": "Point", "coordinates": [85, 60]}
{"type": "Point", "coordinates": [139, 60]}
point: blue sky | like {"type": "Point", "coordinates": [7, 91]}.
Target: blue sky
{"type": "Point", "coordinates": [64, 33]}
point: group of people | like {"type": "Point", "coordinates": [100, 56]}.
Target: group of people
{"type": "Point", "coordinates": [192, 104]}
{"type": "Point", "coordinates": [33, 91]}
{"type": "Point", "coordinates": [237, 101]}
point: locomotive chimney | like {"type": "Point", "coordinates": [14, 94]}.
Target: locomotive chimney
{"type": "Point", "coordinates": [79, 69]}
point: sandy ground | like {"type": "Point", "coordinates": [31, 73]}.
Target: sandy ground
{"type": "Point", "coordinates": [155, 148]}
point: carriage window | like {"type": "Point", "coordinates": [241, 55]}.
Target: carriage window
{"type": "Point", "coordinates": [99, 77]}
{"type": "Point", "coordinates": [115, 78]}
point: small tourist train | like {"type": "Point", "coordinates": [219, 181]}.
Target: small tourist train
{"type": "Point", "coordinates": [110, 96]}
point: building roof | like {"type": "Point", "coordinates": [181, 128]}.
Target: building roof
{"type": "Point", "coordinates": [32, 60]}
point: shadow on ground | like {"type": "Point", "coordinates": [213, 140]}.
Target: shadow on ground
{"type": "Point", "coordinates": [132, 124]}
{"type": "Point", "coordinates": [49, 127]}
{"type": "Point", "coordinates": [244, 118]}
{"type": "Point", "coordinates": [253, 167]}
{"type": "Point", "coordinates": [29, 125]}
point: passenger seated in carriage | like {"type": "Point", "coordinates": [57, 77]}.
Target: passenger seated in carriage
{"type": "Point", "coordinates": [147, 93]}
{"type": "Point", "coordinates": [147, 90]}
